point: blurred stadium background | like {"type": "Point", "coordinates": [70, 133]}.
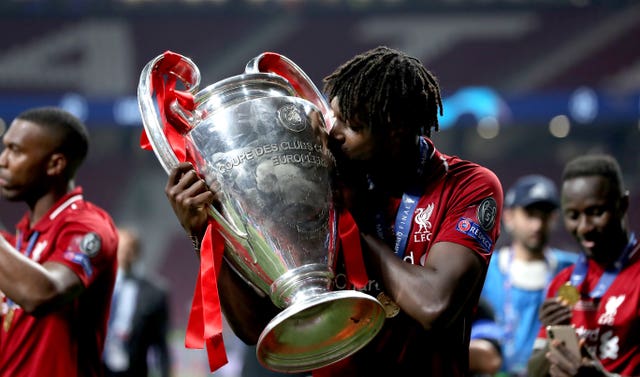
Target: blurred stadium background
{"type": "Point", "coordinates": [527, 85]}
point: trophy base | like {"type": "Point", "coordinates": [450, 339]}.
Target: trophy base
{"type": "Point", "coordinates": [319, 331]}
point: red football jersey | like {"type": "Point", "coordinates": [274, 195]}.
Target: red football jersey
{"type": "Point", "coordinates": [68, 341]}
{"type": "Point", "coordinates": [461, 204]}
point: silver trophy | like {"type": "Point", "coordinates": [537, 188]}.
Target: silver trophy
{"type": "Point", "coordinates": [262, 136]}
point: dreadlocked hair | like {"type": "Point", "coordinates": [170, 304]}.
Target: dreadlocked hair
{"type": "Point", "coordinates": [385, 87]}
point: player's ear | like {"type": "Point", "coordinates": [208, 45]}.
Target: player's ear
{"type": "Point", "coordinates": [57, 164]}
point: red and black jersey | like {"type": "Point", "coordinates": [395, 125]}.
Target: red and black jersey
{"type": "Point", "coordinates": [68, 341]}
{"type": "Point", "coordinates": [610, 324]}
{"type": "Point", "coordinates": [461, 203]}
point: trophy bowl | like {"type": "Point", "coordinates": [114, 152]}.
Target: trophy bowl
{"type": "Point", "coordinates": [264, 145]}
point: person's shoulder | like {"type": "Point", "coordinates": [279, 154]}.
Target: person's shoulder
{"type": "Point", "coordinates": [469, 170]}
{"type": "Point", "coordinates": [92, 208]}
{"type": "Point", "coordinates": [469, 184]}
{"type": "Point", "coordinates": [91, 220]}
{"type": "Point", "coordinates": [565, 258]}
{"type": "Point", "coordinates": [90, 214]}
{"type": "Point", "coordinates": [481, 172]}
{"type": "Point", "coordinates": [476, 184]}
{"type": "Point", "coordinates": [461, 168]}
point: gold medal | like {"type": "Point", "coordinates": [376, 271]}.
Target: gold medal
{"type": "Point", "coordinates": [8, 318]}
{"type": "Point", "coordinates": [391, 309]}
{"type": "Point", "coordinates": [569, 293]}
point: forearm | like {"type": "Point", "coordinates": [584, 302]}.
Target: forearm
{"type": "Point", "coordinates": [384, 266]}
{"type": "Point", "coordinates": [246, 311]}
{"type": "Point", "coordinates": [24, 281]}
{"type": "Point", "coordinates": [434, 293]}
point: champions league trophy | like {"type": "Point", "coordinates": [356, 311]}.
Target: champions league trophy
{"type": "Point", "coordinates": [262, 137]}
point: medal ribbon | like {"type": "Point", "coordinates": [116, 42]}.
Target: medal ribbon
{"type": "Point", "coordinates": [27, 251]}
{"type": "Point", "coordinates": [404, 219]}
{"type": "Point", "coordinates": [204, 327]}
{"type": "Point", "coordinates": [32, 242]}
{"type": "Point", "coordinates": [607, 278]}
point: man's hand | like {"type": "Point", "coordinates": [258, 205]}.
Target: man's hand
{"type": "Point", "coordinates": [555, 312]}
{"type": "Point", "coordinates": [190, 198]}
{"type": "Point", "coordinates": [563, 363]}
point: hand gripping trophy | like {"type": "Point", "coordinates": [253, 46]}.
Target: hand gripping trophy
{"type": "Point", "coordinates": [261, 136]}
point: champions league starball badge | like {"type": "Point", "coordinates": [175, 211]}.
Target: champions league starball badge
{"type": "Point", "coordinates": [90, 244]}
{"type": "Point", "coordinates": [487, 212]}
{"type": "Point", "coordinates": [291, 118]}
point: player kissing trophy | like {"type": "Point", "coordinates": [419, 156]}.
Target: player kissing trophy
{"type": "Point", "coordinates": [261, 136]}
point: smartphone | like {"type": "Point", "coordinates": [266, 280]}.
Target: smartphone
{"type": "Point", "coordinates": [566, 334]}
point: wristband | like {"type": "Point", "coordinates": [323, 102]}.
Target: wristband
{"type": "Point", "coordinates": [196, 243]}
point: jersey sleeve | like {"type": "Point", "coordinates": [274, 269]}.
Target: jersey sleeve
{"type": "Point", "coordinates": [87, 247]}
{"type": "Point", "coordinates": [474, 212]}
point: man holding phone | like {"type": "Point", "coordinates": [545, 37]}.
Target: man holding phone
{"type": "Point", "coordinates": [599, 295]}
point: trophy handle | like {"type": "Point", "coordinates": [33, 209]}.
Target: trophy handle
{"type": "Point", "coordinates": [187, 72]}
{"type": "Point", "coordinates": [283, 66]}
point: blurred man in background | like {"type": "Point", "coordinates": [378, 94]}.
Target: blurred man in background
{"type": "Point", "coordinates": [599, 295]}
{"type": "Point", "coordinates": [136, 342]}
{"type": "Point", "coordinates": [57, 269]}
{"type": "Point", "coordinates": [520, 272]}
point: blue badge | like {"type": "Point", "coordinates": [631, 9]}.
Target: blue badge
{"type": "Point", "coordinates": [475, 231]}
{"type": "Point", "coordinates": [81, 260]}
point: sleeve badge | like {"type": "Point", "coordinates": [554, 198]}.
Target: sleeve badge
{"type": "Point", "coordinates": [91, 244]}
{"type": "Point", "coordinates": [487, 212]}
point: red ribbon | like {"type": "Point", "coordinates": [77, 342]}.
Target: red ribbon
{"type": "Point", "coordinates": [205, 320]}
{"type": "Point", "coordinates": [204, 328]}
{"type": "Point", "coordinates": [174, 126]}
{"type": "Point", "coordinates": [352, 250]}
